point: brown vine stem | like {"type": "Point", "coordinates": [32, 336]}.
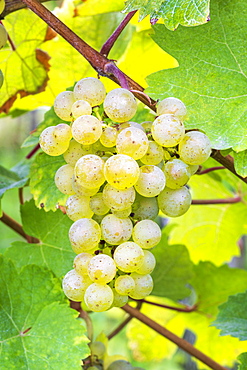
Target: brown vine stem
{"type": "Point", "coordinates": [217, 201]}
{"type": "Point", "coordinates": [179, 309]}
{"type": "Point", "coordinates": [33, 151]}
{"type": "Point", "coordinates": [227, 162]}
{"type": "Point", "coordinates": [207, 170]}
{"type": "Point", "coordinates": [14, 5]}
{"type": "Point", "coordinates": [14, 225]}
{"type": "Point", "coordinates": [183, 344]}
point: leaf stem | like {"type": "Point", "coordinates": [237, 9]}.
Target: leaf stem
{"type": "Point", "coordinates": [14, 225]}
{"type": "Point", "coordinates": [207, 170]}
{"type": "Point", "coordinates": [14, 5]}
{"type": "Point", "coordinates": [33, 151]}
{"type": "Point", "coordinates": [217, 201]}
{"type": "Point", "coordinates": [179, 309]}
{"type": "Point", "coordinates": [111, 69]}
{"type": "Point", "coordinates": [227, 162]}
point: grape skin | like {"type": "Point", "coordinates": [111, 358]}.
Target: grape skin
{"type": "Point", "coordinates": [118, 200]}
{"type": "Point", "coordinates": [63, 104]}
{"type": "Point", "coordinates": [89, 171]}
{"type": "Point", "coordinates": [97, 348]}
{"type": "Point", "coordinates": [90, 89]}
{"type": "Point", "coordinates": [128, 256]}
{"type": "Point", "coordinates": [124, 284]}
{"type": "Point", "coordinates": [102, 269]}
{"type": "Point", "coordinates": [154, 154]}
{"type": "Point", "coordinates": [78, 207]}
{"type": "Point", "coordinates": [81, 262]}
{"type": "Point", "coordinates": [174, 203]}
{"type": "Point", "coordinates": [3, 36]}
{"type": "Point", "coordinates": [172, 106]}
{"type": "Point", "coordinates": [109, 136]}
{"type": "Point", "coordinates": [52, 145]}
{"type": "Point", "coordinates": [151, 181]}
{"type": "Point", "coordinates": [148, 264]}
{"type": "Point", "coordinates": [167, 130]}
{"type": "Point", "coordinates": [145, 208]}
{"type": "Point", "coordinates": [143, 286]}
{"type": "Point", "coordinates": [73, 153]}
{"type": "Point", "coordinates": [86, 129]}
{"type": "Point", "coordinates": [177, 173]}
{"type": "Point", "coordinates": [75, 285]}
{"type": "Point", "coordinates": [84, 235]}
{"type": "Point", "coordinates": [119, 300]}
{"type": "Point", "coordinates": [120, 105]}
{"type": "Point", "coordinates": [98, 298]}
{"type": "Point", "coordinates": [98, 206]}
{"type": "Point", "coordinates": [63, 179]}
{"type": "Point", "coordinates": [116, 230]}
{"type": "Point", "coordinates": [120, 365]}
{"type": "Point", "coordinates": [195, 148]}
{"type": "Point", "coordinates": [147, 234]}
{"type": "Point", "coordinates": [133, 142]}
{"type": "Point", "coordinates": [81, 108]}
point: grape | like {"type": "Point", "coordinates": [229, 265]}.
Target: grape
{"type": "Point", "coordinates": [74, 285]}
{"type": "Point", "coordinates": [121, 171]}
{"type": "Point", "coordinates": [73, 153]}
{"type": "Point", "coordinates": [118, 200]}
{"type": "Point", "coordinates": [124, 284]}
{"type": "Point", "coordinates": [128, 256]}
{"type": "Point", "coordinates": [3, 36]}
{"type": "Point", "coordinates": [90, 89]}
{"type": "Point", "coordinates": [167, 130]}
{"type": "Point", "coordinates": [89, 171]}
{"type": "Point", "coordinates": [120, 365]}
{"type": "Point", "coordinates": [174, 203]}
{"type": "Point", "coordinates": [133, 142]}
{"type": "Point", "coordinates": [195, 148]}
{"type": "Point", "coordinates": [81, 262]}
{"type": "Point", "coordinates": [98, 205]}
{"type": "Point", "coordinates": [78, 207]}
{"type": "Point", "coordinates": [147, 126]}
{"type": "Point", "coordinates": [193, 168]}
{"type": "Point", "coordinates": [62, 133]}
{"type": "Point", "coordinates": [116, 230]}
{"type": "Point", "coordinates": [122, 214]}
{"type": "Point", "coordinates": [50, 144]}
{"type": "Point", "coordinates": [109, 136]}
{"type": "Point", "coordinates": [146, 234]}
{"type": "Point", "coordinates": [144, 208]}
{"type": "Point", "coordinates": [143, 286]}
{"type": "Point", "coordinates": [154, 154]}
{"type": "Point", "coordinates": [151, 181]}
{"type": "Point", "coordinates": [119, 300]}
{"type": "Point", "coordinates": [2, 6]}
{"type": "Point", "coordinates": [177, 173]}
{"type": "Point", "coordinates": [148, 264]}
{"type": "Point", "coordinates": [84, 235]}
{"type": "Point", "coordinates": [86, 129]}
{"type": "Point", "coordinates": [98, 297]}
{"type": "Point", "coordinates": [63, 104]}
{"type": "Point", "coordinates": [81, 191]}
{"type": "Point", "coordinates": [1, 78]}
{"type": "Point", "coordinates": [81, 108]}
{"type": "Point", "coordinates": [102, 269]}
{"type": "Point", "coordinates": [97, 349]}
{"type": "Point", "coordinates": [120, 105]}
{"type": "Point", "coordinates": [63, 179]}
{"type": "Point", "coordinates": [172, 106]}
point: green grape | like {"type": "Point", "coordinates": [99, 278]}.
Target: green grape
{"type": "Point", "coordinates": [2, 6]}
{"type": "Point", "coordinates": [129, 124]}
{"type": "Point", "coordinates": [62, 133]}
{"type": "Point", "coordinates": [146, 234]}
{"type": "Point", "coordinates": [121, 171]}
{"type": "Point", "coordinates": [154, 154]}
{"type": "Point", "coordinates": [133, 142]}
{"type": "Point", "coordinates": [98, 206]}
{"type": "Point", "coordinates": [177, 173]}
{"type": "Point", "coordinates": [122, 214]}
{"type": "Point", "coordinates": [84, 235]}
{"type": "Point", "coordinates": [78, 207]}
{"type": "Point", "coordinates": [124, 284]}
{"type": "Point", "coordinates": [167, 130]}
{"type": "Point", "coordinates": [174, 202]}
{"type": "Point", "coordinates": [118, 200]}
{"type": "Point", "coordinates": [97, 349]}
{"type": "Point", "coordinates": [64, 178]}
{"type": "Point", "coordinates": [63, 104]}
{"type": "Point", "coordinates": [86, 129]}
{"type": "Point", "coordinates": [151, 181]}
{"type": "Point", "coordinates": [73, 153]}
{"type": "Point", "coordinates": [102, 269]}
{"type": "Point", "coordinates": [98, 297]}
{"type": "Point", "coordinates": [116, 230]}
{"type": "Point", "coordinates": [81, 262]}
{"type": "Point", "coordinates": [148, 264]}
{"type": "Point", "coordinates": [143, 286]}
{"type": "Point", "coordinates": [128, 256]}
{"type": "Point", "coordinates": [119, 300]}
{"type": "Point", "coordinates": [144, 208]}
{"type": "Point", "coordinates": [3, 36]}
{"type": "Point", "coordinates": [120, 105]}
{"type": "Point", "coordinates": [193, 168]}
{"type": "Point", "coordinates": [172, 106]}
{"type": "Point", "coordinates": [120, 365]}
{"type": "Point", "coordinates": [90, 89]}
{"type": "Point", "coordinates": [147, 126]}
{"type": "Point", "coordinates": [109, 136]}
{"type": "Point", "coordinates": [1, 78]}
{"type": "Point", "coordinates": [89, 171]}
{"type": "Point", "coordinates": [75, 285]}
{"type": "Point", "coordinates": [81, 108]}
{"type": "Point", "coordinates": [195, 148]}
{"type": "Point", "coordinates": [81, 191]}
{"type": "Point", "coordinates": [93, 368]}
{"type": "Point", "coordinates": [51, 144]}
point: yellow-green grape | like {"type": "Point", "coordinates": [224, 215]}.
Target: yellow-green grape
{"type": "Point", "coordinates": [102, 269]}
{"type": "Point", "coordinates": [98, 206]}
{"type": "Point", "coordinates": [143, 286]}
{"type": "Point", "coordinates": [98, 349]}
{"type": "Point", "coordinates": [80, 108]}
{"type": "Point", "coordinates": [3, 36]}
{"type": "Point", "coordinates": [147, 126]}
{"type": "Point", "coordinates": [120, 105]}
{"type": "Point", "coordinates": [144, 208]}
{"type": "Point", "coordinates": [116, 230]}
{"type": "Point", "coordinates": [86, 129]}
{"type": "Point", "coordinates": [75, 285]}
{"type": "Point", "coordinates": [122, 214]}
{"type": "Point", "coordinates": [74, 152]}
{"type": "Point", "coordinates": [81, 262]}
{"type": "Point", "coordinates": [62, 133]}
{"type": "Point", "coordinates": [118, 200]}
{"type": "Point", "coordinates": [84, 235]}
{"type": "Point", "coordinates": [2, 6]}
{"type": "Point", "coordinates": [63, 104]}
{"type": "Point", "coordinates": [151, 181]}
{"type": "Point", "coordinates": [172, 106]}
{"type": "Point", "coordinates": [78, 207]}
{"type": "Point", "coordinates": [121, 171]}
{"type": "Point", "coordinates": [154, 154]}
{"type": "Point", "coordinates": [81, 191]}
{"type": "Point", "coordinates": [148, 264]}
{"type": "Point", "coordinates": [90, 89]}
{"type": "Point", "coordinates": [177, 173]}
{"type": "Point", "coordinates": [146, 234]}
{"type": "Point", "coordinates": [195, 148]}
{"type": "Point", "coordinates": [167, 130]}
{"type": "Point", "coordinates": [120, 365]}
{"type": "Point", "coordinates": [1, 78]}
{"type": "Point", "coordinates": [193, 168]}
{"type": "Point", "coordinates": [174, 202]}
{"type": "Point", "coordinates": [124, 284]}
{"type": "Point", "coordinates": [133, 142]}
{"type": "Point", "coordinates": [63, 179]}
{"type": "Point", "coordinates": [119, 300]}
{"type": "Point", "coordinates": [128, 256]}
{"type": "Point", "coordinates": [98, 297]}
{"type": "Point", "coordinates": [109, 136]}
{"type": "Point", "coordinates": [89, 171]}
{"type": "Point", "coordinates": [50, 144]}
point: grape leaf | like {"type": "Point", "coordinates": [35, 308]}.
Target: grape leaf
{"type": "Point", "coordinates": [243, 361]}
{"type": "Point", "coordinates": [211, 78]}
{"type": "Point", "coordinates": [54, 250]}
{"type": "Point", "coordinates": [240, 163]}
{"type": "Point", "coordinates": [94, 7]}
{"type": "Point", "coordinates": [15, 178]}
{"type": "Point", "coordinates": [35, 329]}
{"type": "Point", "coordinates": [42, 183]}
{"type": "Point", "coordinates": [184, 12]}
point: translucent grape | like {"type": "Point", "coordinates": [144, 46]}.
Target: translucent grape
{"type": "Point", "coordinates": [118, 200]}
{"type": "Point", "coordinates": [75, 285]}
{"type": "Point", "coordinates": [121, 171]}
{"type": "Point", "coordinates": [148, 264]}
{"type": "Point", "coordinates": [98, 297]}
{"type": "Point", "coordinates": [86, 129]}
{"type": "Point", "coordinates": [124, 284]}
{"type": "Point", "coordinates": [98, 206]}
{"type": "Point", "coordinates": [119, 300]}
{"type": "Point", "coordinates": [174, 203]}
{"type": "Point", "coordinates": [143, 286]}
{"type": "Point", "coordinates": [154, 154]}
{"type": "Point", "coordinates": [2, 6]}
{"type": "Point", "coordinates": [177, 173]}
{"type": "Point", "coordinates": [50, 144]}
{"type": "Point", "coordinates": [193, 168]}
{"type": "Point", "coordinates": [172, 106]}
{"type": "Point", "coordinates": [81, 108]}
{"type": "Point", "coordinates": [89, 171]}
{"type": "Point", "coordinates": [73, 153]}
{"type": "Point", "coordinates": [81, 262]}
{"type": "Point", "coordinates": [90, 89]}
{"type": "Point", "coordinates": [3, 36]}
{"type": "Point", "coordinates": [167, 130]}
{"type": "Point", "coordinates": [122, 214]}
{"type": "Point", "coordinates": [81, 191]}
{"type": "Point", "coordinates": [195, 148]}
{"type": "Point", "coordinates": [63, 179]}
{"type": "Point", "coordinates": [62, 133]}
{"type": "Point", "coordinates": [129, 124]}
{"type": "Point", "coordinates": [151, 181]}
{"type": "Point", "coordinates": [84, 235]}
{"type": "Point", "coordinates": [120, 105]}
{"type": "Point", "coordinates": [78, 207]}
{"type": "Point", "coordinates": [147, 126]}
{"type": "Point", "coordinates": [128, 256]}
{"type": "Point", "coordinates": [109, 136]}
{"type": "Point", "coordinates": [120, 365]}
{"type": "Point", "coordinates": [97, 349]}
{"type": "Point", "coordinates": [146, 234]}
{"type": "Point", "coordinates": [102, 269]}
{"type": "Point", "coordinates": [144, 208]}
{"type": "Point", "coordinates": [63, 104]}
{"type": "Point", "coordinates": [133, 142]}
{"type": "Point", "coordinates": [116, 230]}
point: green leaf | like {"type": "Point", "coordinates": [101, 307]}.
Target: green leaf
{"type": "Point", "coordinates": [15, 178]}
{"type": "Point", "coordinates": [240, 163]}
{"type": "Point", "coordinates": [35, 329]}
{"type": "Point", "coordinates": [42, 183]}
{"type": "Point", "coordinates": [211, 79]}
{"type": "Point", "coordinates": [54, 250]}
{"type": "Point", "coordinates": [243, 361]}
{"type": "Point", "coordinates": [184, 12]}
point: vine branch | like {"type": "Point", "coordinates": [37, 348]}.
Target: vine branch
{"type": "Point", "coordinates": [14, 5]}
{"type": "Point", "coordinates": [14, 225]}
{"type": "Point", "coordinates": [207, 170]}
{"type": "Point", "coordinates": [179, 309]}
{"type": "Point", "coordinates": [217, 201]}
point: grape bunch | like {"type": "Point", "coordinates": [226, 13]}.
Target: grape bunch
{"type": "Point", "coordinates": [118, 175]}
